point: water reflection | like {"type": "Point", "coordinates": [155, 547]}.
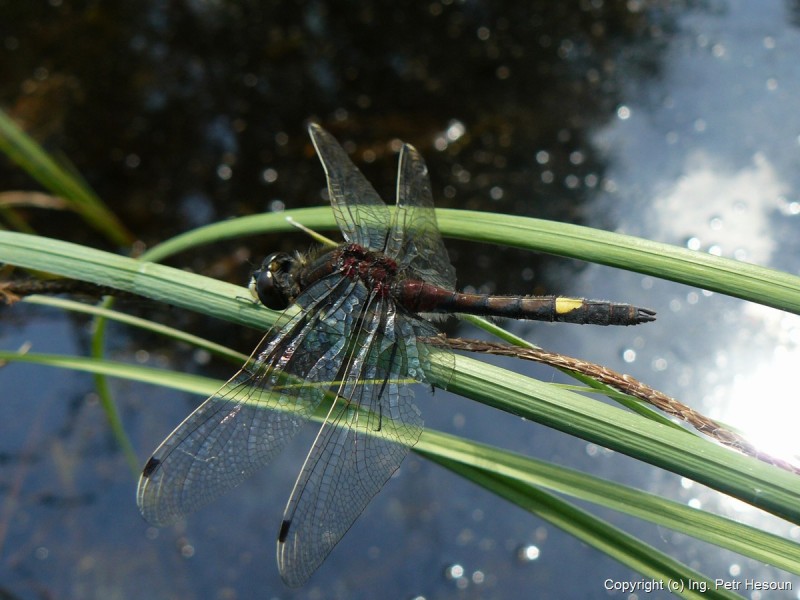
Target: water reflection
{"type": "Point", "coordinates": [760, 398]}
{"type": "Point", "coordinates": [719, 211]}
{"type": "Point", "coordinates": [168, 102]}
{"type": "Point", "coordinates": [721, 179]}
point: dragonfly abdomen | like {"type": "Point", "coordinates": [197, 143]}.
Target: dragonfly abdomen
{"type": "Point", "coordinates": [418, 296]}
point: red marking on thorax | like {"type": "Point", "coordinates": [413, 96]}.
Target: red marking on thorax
{"type": "Point", "coordinates": [375, 269]}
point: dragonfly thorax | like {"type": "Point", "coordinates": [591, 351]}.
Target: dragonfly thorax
{"type": "Point", "coordinates": [375, 269]}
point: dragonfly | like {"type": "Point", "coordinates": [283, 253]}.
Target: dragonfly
{"type": "Point", "coordinates": [352, 335]}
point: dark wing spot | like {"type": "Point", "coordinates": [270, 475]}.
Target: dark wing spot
{"type": "Point", "coordinates": [151, 466]}
{"type": "Point", "coordinates": [284, 531]}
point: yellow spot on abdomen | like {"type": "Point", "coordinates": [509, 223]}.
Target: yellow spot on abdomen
{"type": "Point", "coordinates": [567, 305]}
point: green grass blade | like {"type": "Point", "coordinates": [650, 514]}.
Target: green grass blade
{"type": "Point", "coordinates": [723, 532]}
{"type": "Point", "coordinates": [666, 573]}
{"type": "Point", "coordinates": [158, 282]}
{"type": "Point", "coordinates": [177, 335]}
{"type": "Point", "coordinates": [315, 218]}
{"type": "Point", "coordinates": [679, 451]}
{"type": "Point", "coordinates": [193, 384]}
{"type": "Point", "coordinates": [107, 402]}
{"type": "Point", "coordinates": [29, 155]}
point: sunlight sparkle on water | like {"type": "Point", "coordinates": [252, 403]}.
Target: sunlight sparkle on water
{"type": "Point", "coordinates": [764, 405]}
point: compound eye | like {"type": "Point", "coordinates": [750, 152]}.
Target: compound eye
{"type": "Point", "coordinates": [273, 281]}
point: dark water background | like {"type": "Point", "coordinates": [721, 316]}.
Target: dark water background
{"type": "Point", "coordinates": [676, 121]}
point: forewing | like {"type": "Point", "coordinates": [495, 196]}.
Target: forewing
{"type": "Point", "coordinates": [369, 430]}
{"type": "Point", "coordinates": [246, 424]}
{"type": "Point", "coordinates": [414, 238]}
{"type": "Point", "coordinates": [360, 213]}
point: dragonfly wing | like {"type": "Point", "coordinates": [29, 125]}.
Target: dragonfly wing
{"type": "Point", "coordinates": [370, 427]}
{"type": "Point", "coordinates": [247, 422]}
{"type": "Point", "coordinates": [360, 213]}
{"type": "Point", "coordinates": [414, 238]}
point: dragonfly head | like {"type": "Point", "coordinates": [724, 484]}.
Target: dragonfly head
{"type": "Point", "coordinates": [273, 282]}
